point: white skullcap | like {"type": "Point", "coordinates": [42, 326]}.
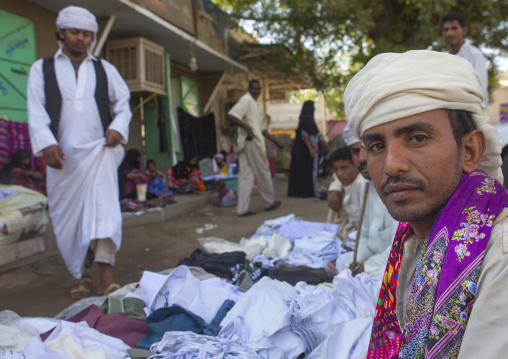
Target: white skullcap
{"type": "Point", "coordinates": [349, 139]}
{"type": "Point", "coordinates": [393, 86]}
{"type": "Point", "coordinates": [75, 17]}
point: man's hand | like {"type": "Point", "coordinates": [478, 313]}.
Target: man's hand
{"type": "Point", "coordinates": [113, 138]}
{"type": "Point", "coordinates": [34, 174]}
{"type": "Point", "coordinates": [250, 134]}
{"type": "Point", "coordinates": [53, 156]}
{"type": "Point", "coordinates": [356, 268]}
{"type": "Point", "coordinates": [334, 200]}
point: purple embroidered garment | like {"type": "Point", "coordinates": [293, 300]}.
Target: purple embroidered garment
{"type": "Point", "coordinates": [444, 287]}
{"type": "Point", "coordinates": [440, 301]}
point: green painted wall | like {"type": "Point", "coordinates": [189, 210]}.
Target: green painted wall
{"type": "Point", "coordinates": [189, 96]}
{"type": "Point", "coordinates": [151, 116]}
{"type": "Point", "coordinates": [188, 99]}
{"type": "Point", "coordinates": [17, 53]}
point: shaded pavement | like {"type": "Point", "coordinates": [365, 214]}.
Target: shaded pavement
{"type": "Point", "coordinates": [42, 288]}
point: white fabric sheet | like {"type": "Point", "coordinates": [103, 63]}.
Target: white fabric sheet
{"type": "Point", "coordinates": [203, 298]}
{"type": "Point", "coordinates": [266, 315]}
{"type": "Point", "coordinates": [75, 341]}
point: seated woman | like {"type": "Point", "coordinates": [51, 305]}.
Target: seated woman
{"type": "Point", "coordinates": [185, 177]}
{"type": "Point", "coordinates": [18, 172]}
{"type": "Point", "coordinates": [227, 197]}
{"type": "Point", "coordinates": [155, 180]}
{"type": "Point", "coordinates": [220, 168]}
{"type": "Point", "coordinates": [129, 176]}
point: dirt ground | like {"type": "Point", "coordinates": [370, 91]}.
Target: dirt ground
{"type": "Point", "coordinates": [42, 289]}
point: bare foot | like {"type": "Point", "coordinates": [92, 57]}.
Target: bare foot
{"type": "Point", "coordinates": [107, 279]}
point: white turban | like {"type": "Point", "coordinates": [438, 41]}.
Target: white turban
{"type": "Point", "coordinates": [349, 139]}
{"type": "Point", "coordinates": [75, 17]}
{"type": "Point", "coordinates": [392, 86]}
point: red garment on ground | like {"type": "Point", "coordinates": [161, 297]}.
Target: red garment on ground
{"type": "Point", "coordinates": [117, 325]}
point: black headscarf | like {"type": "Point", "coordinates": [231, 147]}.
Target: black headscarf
{"type": "Point", "coordinates": [17, 162]}
{"type": "Point", "coordinates": [307, 122]}
{"type": "Point", "coordinates": [183, 169]}
{"type": "Point", "coordinates": [301, 182]}
{"type": "Point", "coordinates": [130, 162]}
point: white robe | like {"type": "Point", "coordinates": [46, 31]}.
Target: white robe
{"type": "Point", "coordinates": [83, 196]}
{"type": "Point", "coordinates": [378, 231]}
{"type": "Point", "coordinates": [479, 61]}
{"type": "Point", "coordinates": [349, 214]}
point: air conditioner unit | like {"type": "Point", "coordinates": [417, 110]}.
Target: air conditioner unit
{"type": "Point", "coordinates": [140, 62]}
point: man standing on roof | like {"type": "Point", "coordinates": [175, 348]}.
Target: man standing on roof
{"type": "Point", "coordinates": [454, 29]}
{"type": "Point", "coordinates": [252, 159]}
{"type": "Point", "coordinates": [70, 97]}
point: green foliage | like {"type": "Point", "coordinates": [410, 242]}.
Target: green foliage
{"type": "Point", "coordinates": [332, 39]}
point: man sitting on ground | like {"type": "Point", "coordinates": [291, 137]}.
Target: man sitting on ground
{"type": "Point", "coordinates": [344, 193]}
{"type": "Point", "coordinates": [433, 158]}
{"type": "Point", "coordinates": [378, 226]}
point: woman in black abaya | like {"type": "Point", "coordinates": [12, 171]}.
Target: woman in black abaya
{"type": "Point", "coordinates": [304, 155]}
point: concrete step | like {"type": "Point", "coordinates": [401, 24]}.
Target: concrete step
{"type": "Point", "coordinates": [30, 251]}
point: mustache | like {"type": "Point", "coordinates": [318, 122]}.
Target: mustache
{"type": "Point", "coordinates": [362, 165]}
{"type": "Point", "coordinates": [402, 179]}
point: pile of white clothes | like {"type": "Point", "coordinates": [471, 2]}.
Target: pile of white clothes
{"type": "Point", "coordinates": [285, 240]}
{"type": "Point", "coordinates": [276, 320]}
{"type": "Point", "coordinates": [19, 337]}
{"type": "Point", "coordinates": [201, 297]}
{"type": "Point", "coordinates": [273, 319]}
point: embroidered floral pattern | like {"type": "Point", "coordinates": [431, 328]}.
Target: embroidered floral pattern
{"type": "Point", "coordinates": [488, 185]}
{"type": "Point", "coordinates": [471, 231]}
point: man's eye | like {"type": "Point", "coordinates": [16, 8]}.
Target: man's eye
{"type": "Point", "coordinates": [375, 147]}
{"type": "Point", "coordinates": [418, 138]}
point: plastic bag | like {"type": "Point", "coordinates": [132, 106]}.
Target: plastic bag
{"type": "Point", "coordinates": [218, 245]}
{"type": "Point", "coordinates": [15, 331]}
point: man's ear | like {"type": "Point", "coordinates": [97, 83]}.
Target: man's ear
{"type": "Point", "coordinates": [60, 33]}
{"type": "Point", "coordinates": [473, 149]}
{"type": "Point", "coordinates": [464, 30]}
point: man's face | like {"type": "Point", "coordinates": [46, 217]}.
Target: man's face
{"type": "Point", "coordinates": [345, 171]}
{"type": "Point", "coordinates": [76, 42]}
{"type": "Point", "coordinates": [255, 90]}
{"type": "Point", "coordinates": [453, 32]}
{"type": "Point", "coordinates": [415, 164]}
{"type": "Point", "coordinates": [152, 167]}
{"type": "Point", "coordinates": [360, 159]}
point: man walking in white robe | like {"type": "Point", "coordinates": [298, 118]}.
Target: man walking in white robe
{"type": "Point", "coordinates": [81, 154]}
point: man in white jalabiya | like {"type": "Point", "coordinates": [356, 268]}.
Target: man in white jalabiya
{"type": "Point", "coordinates": [454, 30]}
{"type": "Point", "coordinates": [69, 98]}
{"type": "Point", "coordinates": [378, 226]}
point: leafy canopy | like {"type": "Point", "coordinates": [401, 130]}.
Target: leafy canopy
{"type": "Point", "coordinates": [332, 39]}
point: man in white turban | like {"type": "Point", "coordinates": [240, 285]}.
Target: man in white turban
{"type": "Point", "coordinates": [378, 226]}
{"type": "Point", "coordinates": [78, 115]}
{"type": "Point", "coordinates": [434, 160]}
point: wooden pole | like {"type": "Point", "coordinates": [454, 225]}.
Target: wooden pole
{"type": "Point", "coordinates": [360, 222]}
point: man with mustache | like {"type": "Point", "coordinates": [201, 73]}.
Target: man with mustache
{"type": "Point", "coordinates": [378, 226]}
{"type": "Point", "coordinates": [435, 161]}
{"type": "Point", "coordinates": [454, 30]}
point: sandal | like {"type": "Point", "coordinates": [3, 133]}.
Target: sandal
{"type": "Point", "coordinates": [82, 288]}
{"type": "Point", "coordinates": [110, 289]}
